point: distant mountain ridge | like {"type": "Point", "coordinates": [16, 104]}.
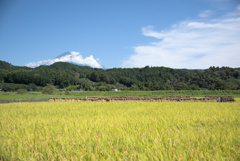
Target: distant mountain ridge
{"type": "Point", "coordinates": [57, 66]}
{"type": "Point", "coordinates": [64, 66]}
{"type": "Point", "coordinates": [63, 74]}
{"type": "Point", "coordinates": [71, 66]}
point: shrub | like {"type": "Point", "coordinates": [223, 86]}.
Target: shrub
{"type": "Point", "coordinates": [67, 93]}
{"type": "Point", "coordinates": [49, 89]}
{"type": "Point", "coordinates": [22, 91]}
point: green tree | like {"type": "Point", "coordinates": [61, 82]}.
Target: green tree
{"type": "Point", "coordinates": [32, 86]}
{"type": "Point", "coordinates": [180, 86]}
{"type": "Point", "coordinates": [49, 89]}
{"type": "Point", "coordinates": [134, 87]}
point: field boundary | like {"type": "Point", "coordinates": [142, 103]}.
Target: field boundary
{"type": "Point", "coordinates": [127, 98]}
{"type": "Point", "coordinates": [24, 100]}
{"type": "Point", "coordinates": [147, 99]}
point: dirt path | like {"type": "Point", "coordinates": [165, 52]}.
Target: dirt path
{"type": "Point", "coordinates": [24, 100]}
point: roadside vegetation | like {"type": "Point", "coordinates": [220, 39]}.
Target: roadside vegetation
{"type": "Point", "coordinates": [62, 93]}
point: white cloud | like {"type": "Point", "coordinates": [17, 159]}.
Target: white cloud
{"type": "Point", "coordinates": [203, 25]}
{"type": "Point", "coordinates": [192, 45]}
{"type": "Point", "coordinates": [72, 57]}
{"type": "Point", "coordinates": [205, 14]}
{"type": "Point", "coordinates": [148, 31]}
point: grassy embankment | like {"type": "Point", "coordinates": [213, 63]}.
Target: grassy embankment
{"type": "Point", "coordinates": [120, 131]}
{"type": "Point", "coordinates": [194, 93]}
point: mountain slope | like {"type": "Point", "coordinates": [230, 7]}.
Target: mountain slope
{"type": "Point", "coordinates": [7, 66]}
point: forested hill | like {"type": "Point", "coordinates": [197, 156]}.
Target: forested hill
{"type": "Point", "coordinates": [10, 67]}
{"type": "Point", "coordinates": [70, 76]}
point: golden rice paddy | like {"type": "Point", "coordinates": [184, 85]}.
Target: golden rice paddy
{"type": "Point", "coordinates": [120, 131]}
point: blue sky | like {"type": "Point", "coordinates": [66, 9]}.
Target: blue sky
{"type": "Point", "coordinates": [194, 34]}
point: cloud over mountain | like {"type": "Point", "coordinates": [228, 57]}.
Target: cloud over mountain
{"type": "Point", "coordinates": [195, 44]}
{"type": "Point", "coordinates": [71, 57]}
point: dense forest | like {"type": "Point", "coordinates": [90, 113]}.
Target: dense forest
{"type": "Point", "coordinates": [73, 77]}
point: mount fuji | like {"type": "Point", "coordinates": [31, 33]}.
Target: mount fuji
{"type": "Point", "coordinates": [71, 57]}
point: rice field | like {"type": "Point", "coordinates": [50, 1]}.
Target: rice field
{"type": "Point", "coordinates": [120, 131]}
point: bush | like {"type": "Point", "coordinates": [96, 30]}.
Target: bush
{"type": "Point", "coordinates": [32, 87]}
{"type": "Point", "coordinates": [49, 89]}
{"type": "Point", "coordinates": [7, 87]}
{"type": "Point", "coordinates": [67, 93]}
{"type": "Point", "coordinates": [102, 88]}
{"type": "Point", "coordinates": [22, 91]}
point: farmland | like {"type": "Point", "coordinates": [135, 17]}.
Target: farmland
{"type": "Point", "coordinates": [120, 131]}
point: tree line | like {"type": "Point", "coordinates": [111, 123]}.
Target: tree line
{"type": "Point", "coordinates": [73, 77]}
